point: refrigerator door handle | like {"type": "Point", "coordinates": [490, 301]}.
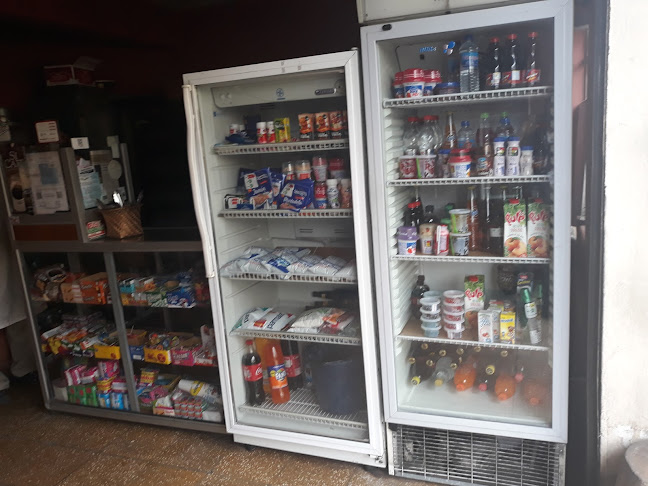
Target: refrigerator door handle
{"type": "Point", "coordinates": [198, 181]}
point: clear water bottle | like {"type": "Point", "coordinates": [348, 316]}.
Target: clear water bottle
{"type": "Point", "coordinates": [426, 137]}
{"type": "Point", "coordinates": [438, 133]}
{"type": "Point", "coordinates": [466, 136]}
{"type": "Point", "coordinates": [410, 136]}
{"type": "Point", "coordinates": [469, 65]}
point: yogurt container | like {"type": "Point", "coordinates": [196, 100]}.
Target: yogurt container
{"type": "Point", "coordinates": [453, 297]}
{"type": "Point", "coordinates": [453, 316]}
{"type": "Point", "coordinates": [430, 305]}
{"type": "Point", "coordinates": [459, 243]}
{"type": "Point", "coordinates": [407, 239]}
{"type": "Point", "coordinates": [453, 326]}
{"type": "Point", "coordinates": [320, 168]}
{"type": "Point", "coordinates": [427, 244]}
{"type": "Point", "coordinates": [431, 315]}
{"type": "Point", "coordinates": [399, 90]}
{"type": "Point", "coordinates": [460, 169]}
{"type": "Point", "coordinates": [407, 166]}
{"type": "Point", "coordinates": [413, 82]}
{"type": "Point", "coordinates": [454, 334]}
{"type": "Point", "coordinates": [499, 156]}
{"type": "Point", "coordinates": [433, 293]}
{"type": "Point", "coordinates": [453, 307]}
{"type": "Point", "coordinates": [459, 220]}
{"type": "Point", "coordinates": [430, 327]}
{"type": "Point", "coordinates": [431, 77]}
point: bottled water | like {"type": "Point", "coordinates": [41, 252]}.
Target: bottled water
{"type": "Point", "coordinates": [469, 65]}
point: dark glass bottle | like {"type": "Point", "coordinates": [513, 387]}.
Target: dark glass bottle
{"type": "Point", "coordinates": [253, 375]}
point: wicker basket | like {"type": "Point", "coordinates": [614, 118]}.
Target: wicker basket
{"type": "Point", "coordinates": [123, 222]}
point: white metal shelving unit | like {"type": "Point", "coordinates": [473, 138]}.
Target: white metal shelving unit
{"type": "Point", "coordinates": [296, 336]}
{"type": "Point", "coordinates": [281, 213]}
{"type": "Point", "coordinates": [262, 277]}
{"type": "Point", "coordinates": [271, 148]}
{"type": "Point", "coordinates": [521, 94]}
{"type": "Point", "coordinates": [471, 259]}
{"type": "Point", "coordinates": [470, 181]}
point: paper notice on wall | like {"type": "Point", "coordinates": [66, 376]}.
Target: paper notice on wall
{"type": "Point", "coordinates": [48, 186]}
{"type": "Point", "coordinates": [90, 182]}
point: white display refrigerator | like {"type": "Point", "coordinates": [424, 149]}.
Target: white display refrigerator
{"type": "Point", "coordinates": [214, 101]}
{"type": "Point", "coordinates": [437, 432]}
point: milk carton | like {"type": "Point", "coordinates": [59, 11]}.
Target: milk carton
{"type": "Point", "coordinates": [488, 326]}
{"type": "Point", "coordinates": [538, 229]}
{"type": "Point", "coordinates": [515, 230]}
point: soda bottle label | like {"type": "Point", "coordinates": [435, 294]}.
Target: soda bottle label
{"type": "Point", "coordinates": [293, 365]}
{"type": "Point", "coordinates": [278, 376]}
{"type": "Point", "coordinates": [493, 80]}
{"type": "Point", "coordinates": [535, 336]}
{"type": "Point", "coordinates": [495, 232]}
{"type": "Point", "coordinates": [516, 78]}
{"type": "Point", "coordinates": [533, 77]}
{"type": "Point", "coordinates": [253, 372]}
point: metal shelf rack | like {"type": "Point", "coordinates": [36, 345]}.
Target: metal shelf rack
{"type": "Point", "coordinates": [470, 98]}
{"type": "Point", "coordinates": [324, 279]}
{"type": "Point", "coordinates": [272, 148]}
{"type": "Point", "coordinates": [472, 259]}
{"type": "Point", "coordinates": [303, 406]}
{"type": "Point", "coordinates": [296, 336]}
{"type": "Point", "coordinates": [284, 213]}
{"type": "Point", "coordinates": [471, 181]}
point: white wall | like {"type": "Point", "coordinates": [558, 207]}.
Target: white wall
{"type": "Point", "coordinates": [624, 393]}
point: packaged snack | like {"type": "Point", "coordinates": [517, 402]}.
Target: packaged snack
{"type": "Point", "coordinates": [277, 179]}
{"type": "Point", "coordinates": [202, 390]}
{"type": "Point", "coordinates": [313, 319]}
{"type": "Point", "coordinates": [348, 271]}
{"type": "Point", "coordinates": [306, 126]}
{"type": "Point", "coordinates": [329, 266]}
{"type": "Point", "coordinates": [259, 188]}
{"type": "Point", "coordinates": [297, 195]}
{"type": "Point", "coordinates": [474, 290]}
{"type": "Point", "coordinates": [282, 130]}
{"type": "Point", "coordinates": [237, 202]}
{"type": "Point", "coordinates": [303, 265]}
{"type": "Point", "coordinates": [272, 321]}
{"type": "Point", "coordinates": [515, 229]}
{"type": "Point", "coordinates": [108, 369]}
{"type": "Point", "coordinates": [247, 320]}
{"type": "Point", "coordinates": [335, 119]}
{"type": "Point", "coordinates": [322, 126]}
{"type": "Point", "coordinates": [336, 321]}
{"type": "Point", "coordinates": [181, 297]}
{"type": "Point", "coordinates": [148, 376]}
{"type": "Point", "coordinates": [538, 229]}
{"type": "Point", "coordinates": [507, 327]}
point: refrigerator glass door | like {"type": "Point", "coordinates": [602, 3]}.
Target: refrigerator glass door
{"type": "Point", "coordinates": [492, 356]}
{"type": "Point", "coordinates": [270, 254]}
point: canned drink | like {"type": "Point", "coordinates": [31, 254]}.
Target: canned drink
{"type": "Point", "coordinates": [234, 128]}
{"type": "Point", "coordinates": [335, 121]}
{"type": "Point", "coordinates": [270, 132]}
{"type": "Point", "coordinates": [262, 132]}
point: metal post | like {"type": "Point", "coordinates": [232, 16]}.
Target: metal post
{"type": "Point", "coordinates": [120, 322]}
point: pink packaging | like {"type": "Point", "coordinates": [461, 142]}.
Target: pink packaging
{"type": "Point", "coordinates": [441, 240]}
{"type": "Point", "coordinates": [407, 166]}
{"type": "Point", "coordinates": [108, 369]}
{"type": "Point", "coordinates": [320, 168]}
{"type": "Point", "coordinates": [73, 375]}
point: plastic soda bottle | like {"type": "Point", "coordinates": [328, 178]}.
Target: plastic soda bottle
{"type": "Point", "coordinates": [253, 375]}
{"type": "Point", "coordinates": [277, 373]}
{"type": "Point", "coordinates": [469, 65]}
{"type": "Point", "coordinates": [444, 371]}
{"type": "Point", "coordinates": [465, 375]}
{"type": "Point", "coordinates": [261, 344]}
{"type": "Point", "coordinates": [504, 387]}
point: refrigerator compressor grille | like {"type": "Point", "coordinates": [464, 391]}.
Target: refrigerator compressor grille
{"type": "Point", "coordinates": [458, 458]}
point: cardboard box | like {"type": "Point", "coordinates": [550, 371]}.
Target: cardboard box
{"type": "Point", "coordinates": [185, 354]}
{"type": "Point", "coordinates": [159, 356]}
{"type": "Point", "coordinates": [107, 352]}
{"type": "Point", "coordinates": [81, 72]}
{"type": "Point", "coordinates": [95, 289]}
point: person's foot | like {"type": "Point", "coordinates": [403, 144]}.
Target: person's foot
{"type": "Point", "coordinates": [28, 379]}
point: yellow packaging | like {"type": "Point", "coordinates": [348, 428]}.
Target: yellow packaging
{"type": "Point", "coordinates": [160, 356]}
{"type": "Point", "coordinates": [148, 376]}
{"type": "Point", "coordinates": [282, 130]}
{"type": "Point", "coordinates": [105, 385]}
{"type": "Point", "coordinates": [107, 352]}
{"type": "Point", "coordinates": [507, 327]}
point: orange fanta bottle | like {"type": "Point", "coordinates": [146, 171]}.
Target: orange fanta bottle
{"type": "Point", "coordinates": [277, 373]}
{"type": "Point", "coordinates": [535, 392]}
{"type": "Point", "coordinates": [465, 375]}
{"type": "Point", "coordinates": [504, 386]}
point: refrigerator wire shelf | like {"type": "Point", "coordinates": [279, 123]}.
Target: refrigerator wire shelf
{"type": "Point", "coordinates": [271, 148]}
{"type": "Point", "coordinates": [413, 332]}
{"type": "Point", "coordinates": [293, 278]}
{"type": "Point", "coordinates": [304, 337]}
{"type": "Point", "coordinates": [284, 214]}
{"type": "Point", "coordinates": [470, 181]}
{"type": "Point", "coordinates": [477, 96]}
{"type": "Point", "coordinates": [471, 259]}
{"type": "Point", "coordinates": [450, 457]}
{"type": "Point", "coordinates": [303, 406]}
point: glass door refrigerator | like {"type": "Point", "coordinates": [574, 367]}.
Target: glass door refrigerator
{"type": "Point", "coordinates": [472, 239]}
{"type": "Point", "coordinates": [279, 182]}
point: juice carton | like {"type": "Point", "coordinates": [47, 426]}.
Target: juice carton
{"type": "Point", "coordinates": [538, 229]}
{"type": "Point", "coordinates": [474, 290]}
{"type": "Point", "coordinates": [488, 326]}
{"type": "Point", "coordinates": [515, 229]}
{"type": "Point", "coordinates": [507, 327]}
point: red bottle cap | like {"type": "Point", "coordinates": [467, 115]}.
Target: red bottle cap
{"type": "Point", "coordinates": [519, 377]}
{"type": "Point", "coordinates": [533, 34]}
{"type": "Point", "coordinates": [494, 40]}
{"type": "Point", "coordinates": [412, 119]}
{"type": "Point", "coordinates": [511, 36]}
{"type": "Point", "coordinates": [483, 387]}
{"type": "Point", "coordinates": [461, 387]}
{"type": "Point", "coordinates": [435, 117]}
{"type": "Point", "coordinates": [534, 401]}
{"type": "Point", "coordinates": [412, 205]}
{"type": "Point", "coordinates": [249, 342]}
{"type": "Point", "coordinates": [428, 118]}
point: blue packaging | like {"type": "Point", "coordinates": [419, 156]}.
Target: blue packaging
{"type": "Point", "coordinates": [258, 185]}
{"type": "Point", "coordinates": [297, 195]}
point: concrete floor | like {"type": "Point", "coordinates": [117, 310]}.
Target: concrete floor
{"type": "Point", "coordinates": [42, 448]}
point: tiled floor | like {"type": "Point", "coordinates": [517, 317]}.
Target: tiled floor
{"type": "Point", "coordinates": [46, 449]}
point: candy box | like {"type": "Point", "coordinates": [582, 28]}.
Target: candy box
{"type": "Point", "coordinates": [538, 230]}
{"type": "Point", "coordinates": [181, 297]}
{"type": "Point", "coordinates": [474, 291]}
{"type": "Point", "coordinates": [164, 406]}
{"type": "Point", "coordinates": [148, 376]}
{"type": "Point", "coordinates": [160, 356]}
{"type": "Point", "coordinates": [102, 351]}
{"type": "Point", "coordinates": [507, 327]}
{"type": "Point", "coordinates": [184, 355]}
{"type": "Point", "coordinates": [136, 352]}
{"type": "Point", "coordinates": [515, 229]}
{"type": "Point", "coordinates": [94, 288]}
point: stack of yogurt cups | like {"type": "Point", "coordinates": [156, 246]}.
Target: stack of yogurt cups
{"type": "Point", "coordinates": [454, 313]}
{"type": "Point", "coordinates": [431, 313]}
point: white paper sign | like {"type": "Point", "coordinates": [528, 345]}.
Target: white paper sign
{"type": "Point", "coordinates": [47, 131]}
{"type": "Point", "coordinates": [80, 143]}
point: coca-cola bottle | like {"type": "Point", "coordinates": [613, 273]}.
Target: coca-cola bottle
{"type": "Point", "coordinates": [532, 75]}
{"type": "Point", "coordinates": [253, 375]}
{"type": "Point", "coordinates": [512, 65]}
{"type": "Point", "coordinates": [292, 360]}
{"type": "Point", "coordinates": [494, 63]}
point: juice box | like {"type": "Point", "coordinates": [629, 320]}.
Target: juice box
{"type": "Point", "coordinates": [474, 290]}
{"type": "Point", "coordinates": [282, 130]}
{"type": "Point", "coordinates": [538, 230]}
{"type": "Point", "coordinates": [488, 330]}
{"type": "Point", "coordinates": [515, 230]}
{"type": "Point", "coordinates": [507, 327]}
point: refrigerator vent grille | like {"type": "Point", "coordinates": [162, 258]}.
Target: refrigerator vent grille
{"type": "Point", "coordinates": [450, 457]}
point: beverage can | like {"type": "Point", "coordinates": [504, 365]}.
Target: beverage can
{"type": "Point", "coordinates": [270, 132]}
{"type": "Point", "coordinates": [262, 132]}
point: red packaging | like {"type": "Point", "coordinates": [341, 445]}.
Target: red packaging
{"type": "Point", "coordinates": [320, 195]}
{"type": "Point", "coordinates": [322, 126]}
{"type": "Point", "coordinates": [306, 122]}
{"type": "Point", "coordinates": [335, 119]}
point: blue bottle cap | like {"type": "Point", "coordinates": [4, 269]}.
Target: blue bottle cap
{"type": "Point", "coordinates": [499, 139]}
{"type": "Point", "coordinates": [465, 123]}
{"type": "Point", "coordinates": [514, 139]}
{"type": "Point", "coordinates": [527, 147]}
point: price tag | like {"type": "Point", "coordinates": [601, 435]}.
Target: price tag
{"type": "Point", "coordinates": [80, 143]}
{"type": "Point", "coordinates": [47, 131]}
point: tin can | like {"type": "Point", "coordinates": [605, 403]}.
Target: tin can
{"type": "Point", "coordinates": [306, 126]}
{"type": "Point", "coordinates": [282, 130]}
{"type": "Point", "coordinates": [262, 132]}
{"type": "Point", "coordinates": [270, 132]}
{"type": "Point", "coordinates": [321, 201]}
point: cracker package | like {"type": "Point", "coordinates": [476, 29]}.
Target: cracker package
{"type": "Point", "coordinates": [515, 230]}
{"type": "Point", "coordinates": [297, 195]}
{"type": "Point", "coordinates": [258, 185]}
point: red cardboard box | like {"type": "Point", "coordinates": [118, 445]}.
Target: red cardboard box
{"type": "Point", "coordinates": [80, 72]}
